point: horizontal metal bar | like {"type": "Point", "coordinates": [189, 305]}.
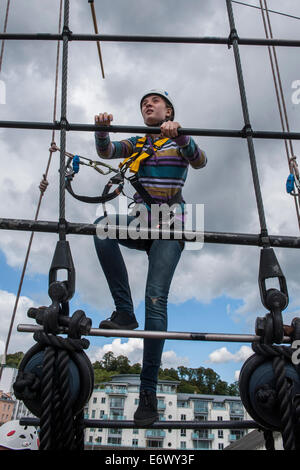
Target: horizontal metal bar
{"type": "Point", "coordinates": [173, 335]}
{"type": "Point", "coordinates": [247, 239]}
{"type": "Point", "coordinates": [99, 423]}
{"type": "Point", "coordinates": [150, 39]}
{"type": "Point", "coordinates": [150, 130]}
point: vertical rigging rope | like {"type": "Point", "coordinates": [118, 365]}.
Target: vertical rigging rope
{"type": "Point", "coordinates": [4, 31]}
{"type": "Point", "coordinates": [3, 361]}
{"type": "Point", "coordinates": [279, 93]}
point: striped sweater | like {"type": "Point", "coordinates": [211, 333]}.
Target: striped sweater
{"type": "Point", "coordinates": [162, 174]}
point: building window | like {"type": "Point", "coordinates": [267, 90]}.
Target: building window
{"type": "Point", "coordinates": [154, 444]}
{"type": "Point", "coordinates": [135, 442]}
{"type": "Point", "coordinates": [183, 432]}
{"type": "Point", "coordinates": [183, 417]}
{"type": "Point", "coordinates": [218, 405]}
{"type": "Point", "coordinates": [220, 446]}
{"type": "Point", "coordinates": [201, 418]}
{"type": "Point", "coordinates": [114, 440]}
{"type": "Point", "coordinates": [182, 445]}
{"type": "Point", "coordinates": [103, 400]}
{"type": "Point", "coordinates": [135, 431]}
{"type": "Point", "coordinates": [200, 406]}
{"type": "Point", "coordinates": [117, 403]}
{"type": "Point", "coordinates": [93, 413]}
{"type": "Point", "coordinates": [95, 400]}
{"type": "Point", "coordinates": [220, 434]}
{"type": "Point", "coordinates": [220, 418]}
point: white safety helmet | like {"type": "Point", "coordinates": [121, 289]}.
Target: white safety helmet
{"type": "Point", "coordinates": [16, 437]}
{"type": "Point", "coordinates": [160, 92]}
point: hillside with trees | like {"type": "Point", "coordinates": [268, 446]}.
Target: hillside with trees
{"type": "Point", "coordinates": [191, 380]}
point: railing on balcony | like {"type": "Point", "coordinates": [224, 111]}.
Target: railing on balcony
{"type": "Point", "coordinates": [202, 436]}
{"type": "Point", "coordinates": [155, 433]}
{"type": "Point", "coordinates": [116, 391]}
{"type": "Point", "coordinates": [117, 417]}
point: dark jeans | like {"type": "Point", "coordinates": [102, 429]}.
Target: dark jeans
{"type": "Point", "coordinates": [163, 257]}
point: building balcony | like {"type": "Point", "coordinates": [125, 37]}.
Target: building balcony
{"type": "Point", "coordinates": [196, 436]}
{"type": "Point", "coordinates": [238, 413]}
{"type": "Point", "coordinates": [116, 391]}
{"type": "Point", "coordinates": [155, 433]}
{"type": "Point", "coordinates": [234, 437]}
{"type": "Point", "coordinates": [161, 406]}
{"type": "Point", "coordinates": [200, 410]}
{"type": "Point", "coordinates": [115, 434]}
{"type": "Point", "coordinates": [117, 417]}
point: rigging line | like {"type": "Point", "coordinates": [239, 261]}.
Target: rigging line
{"type": "Point", "coordinates": [3, 360]}
{"type": "Point", "coordinates": [270, 11]}
{"type": "Point", "coordinates": [91, 2]}
{"type": "Point", "coordinates": [279, 91]}
{"type": "Point", "coordinates": [4, 31]}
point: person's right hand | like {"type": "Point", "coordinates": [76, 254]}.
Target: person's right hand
{"type": "Point", "coordinates": [103, 119]}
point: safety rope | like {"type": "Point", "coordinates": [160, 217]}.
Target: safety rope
{"type": "Point", "coordinates": [61, 427]}
{"type": "Point", "coordinates": [43, 186]}
{"type": "Point", "coordinates": [280, 356]}
{"type": "Point", "coordinates": [4, 31]}
{"type": "Point", "coordinates": [291, 158]}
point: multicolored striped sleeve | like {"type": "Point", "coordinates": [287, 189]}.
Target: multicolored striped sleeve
{"type": "Point", "coordinates": [116, 149]}
{"type": "Point", "coordinates": [190, 151]}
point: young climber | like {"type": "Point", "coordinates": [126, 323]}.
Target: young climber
{"type": "Point", "coordinates": [162, 174]}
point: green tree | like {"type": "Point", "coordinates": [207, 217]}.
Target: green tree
{"type": "Point", "coordinates": [13, 360]}
{"type": "Point", "coordinates": [122, 364]}
{"type": "Point", "coordinates": [136, 368]}
{"type": "Point", "coordinates": [109, 361]}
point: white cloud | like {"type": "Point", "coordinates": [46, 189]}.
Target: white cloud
{"type": "Point", "coordinates": [171, 360]}
{"type": "Point", "coordinates": [18, 341]}
{"type": "Point", "coordinates": [133, 349]}
{"type": "Point", "coordinates": [236, 375]}
{"type": "Point", "coordinates": [222, 355]}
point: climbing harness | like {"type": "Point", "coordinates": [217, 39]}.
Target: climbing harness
{"type": "Point", "coordinates": [131, 163]}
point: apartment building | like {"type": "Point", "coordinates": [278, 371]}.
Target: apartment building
{"type": "Point", "coordinates": [8, 378]}
{"type": "Point", "coordinates": [118, 399]}
{"type": "Point", "coordinates": [6, 407]}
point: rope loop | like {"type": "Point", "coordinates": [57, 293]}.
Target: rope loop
{"type": "Point", "coordinates": [278, 396]}
{"type": "Point", "coordinates": [58, 342]}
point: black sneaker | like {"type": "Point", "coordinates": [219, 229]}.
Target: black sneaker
{"type": "Point", "coordinates": [119, 321]}
{"type": "Point", "coordinates": [146, 412]}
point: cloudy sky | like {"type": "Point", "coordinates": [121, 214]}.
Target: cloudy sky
{"type": "Point", "coordinates": [214, 289]}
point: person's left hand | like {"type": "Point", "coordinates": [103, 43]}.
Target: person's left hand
{"type": "Point", "coordinates": [169, 129]}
